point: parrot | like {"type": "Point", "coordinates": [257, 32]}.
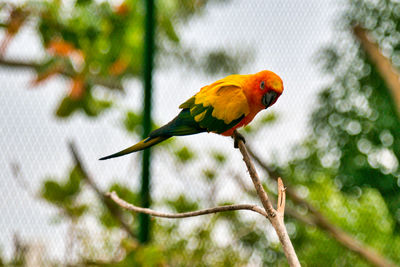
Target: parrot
{"type": "Point", "coordinates": [220, 107]}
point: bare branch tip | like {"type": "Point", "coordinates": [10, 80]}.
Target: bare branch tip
{"type": "Point", "coordinates": [280, 182]}
{"type": "Point", "coordinates": [281, 197]}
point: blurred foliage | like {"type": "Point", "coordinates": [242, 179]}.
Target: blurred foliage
{"type": "Point", "coordinates": [184, 154]}
{"type": "Point", "coordinates": [96, 43]}
{"type": "Point", "coordinates": [348, 167]}
{"type": "Point", "coordinates": [64, 194]}
{"type": "Point", "coordinates": [107, 219]}
{"type": "Point", "coordinates": [268, 118]}
{"type": "Point", "coordinates": [101, 43]}
{"type": "Point", "coordinates": [356, 127]}
{"type": "Point", "coordinates": [133, 122]}
{"type": "Point", "coordinates": [182, 204]}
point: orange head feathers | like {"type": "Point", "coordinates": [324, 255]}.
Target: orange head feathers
{"type": "Point", "coordinates": [263, 89]}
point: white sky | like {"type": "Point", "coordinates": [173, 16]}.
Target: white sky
{"type": "Point", "coordinates": [285, 36]}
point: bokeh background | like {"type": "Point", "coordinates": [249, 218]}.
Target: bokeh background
{"type": "Point", "coordinates": [71, 73]}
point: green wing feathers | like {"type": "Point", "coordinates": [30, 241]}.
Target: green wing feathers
{"type": "Point", "coordinates": [205, 119]}
{"type": "Point", "coordinates": [188, 103]}
{"type": "Point", "coordinates": [183, 124]}
{"type": "Point", "coordinates": [218, 107]}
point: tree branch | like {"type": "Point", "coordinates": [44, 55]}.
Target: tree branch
{"type": "Point", "coordinates": [106, 82]}
{"type": "Point", "coordinates": [154, 213]}
{"type": "Point", "coordinates": [382, 63]}
{"type": "Point", "coordinates": [256, 180]}
{"type": "Point", "coordinates": [107, 203]}
{"type": "Point", "coordinates": [275, 217]}
{"type": "Point", "coordinates": [319, 220]}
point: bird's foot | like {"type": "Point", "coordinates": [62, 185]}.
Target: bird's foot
{"type": "Point", "coordinates": [236, 137]}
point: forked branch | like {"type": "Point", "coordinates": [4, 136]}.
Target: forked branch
{"type": "Point", "coordinates": [274, 216]}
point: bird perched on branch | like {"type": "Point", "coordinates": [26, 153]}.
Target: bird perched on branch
{"type": "Point", "coordinates": [220, 107]}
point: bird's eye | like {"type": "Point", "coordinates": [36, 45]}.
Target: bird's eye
{"type": "Point", "coordinates": [262, 85]}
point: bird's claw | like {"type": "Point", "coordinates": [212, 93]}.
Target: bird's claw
{"type": "Point", "coordinates": [236, 137]}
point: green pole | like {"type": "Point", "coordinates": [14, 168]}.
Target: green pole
{"type": "Point", "coordinates": [144, 219]}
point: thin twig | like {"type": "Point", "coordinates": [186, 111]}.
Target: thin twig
{"type": "Point", "coordinates": [274, 217]}
{"type": "Point", "coordinates": [281, 197]}
{"type": "Point", "coordinates": [288, 210]}
{"type": "Point", "coordinates": [107, 203]}
{"type": "Point", "coordinates": [154, 213]}
{"type": "Point", "coordinates": [318, 219]}
{"type": "Point", "coordinates": [20, 179]}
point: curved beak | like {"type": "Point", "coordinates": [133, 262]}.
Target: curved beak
{"type": "Point", "coordinates": [269, 98]}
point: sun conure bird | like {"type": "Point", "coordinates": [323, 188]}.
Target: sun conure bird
{"type": "Point", "coordinates": [220, 107]}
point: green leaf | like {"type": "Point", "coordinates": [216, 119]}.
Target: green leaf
{"type": "Point", "coordinates": [184, 154]}
{"type": "Point", "coordinates": [72, 186]}
{"type": "Point", "coordinates": [107, 220]}
{"type": "Point", "coordinates": [210, 174]}
{"type": "Point", "coordinates": [53, 192]}
{"type": "Point", "coordinates": [269, 117]}
{"type": "Point", "coordinates": [92, 106]}
{"type": "Point", "coordinates": [182, 204]}
{"type": "Point", "coordinates": [64, 191]}
{"type": "Point", "coordinates": [133, 122]}
{"type": "Point", "coordinates": [251, 238]}
{"type": "Point", "coordinates": [88, 104]}
{"type": "Point", "coordinates": [76, 211]}
{"type": "Point", "coordinates": [167, 26]}
{"type": "Point", "coordinates": [67, 107]}
{"type": "Point", "coordinates": [83, 2]}
{"type": "Point", "coordinates": [219, 157]}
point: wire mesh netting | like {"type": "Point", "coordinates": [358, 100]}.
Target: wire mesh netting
{"type": "Point", "coordinates": [54, 74]}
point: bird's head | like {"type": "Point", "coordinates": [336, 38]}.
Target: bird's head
{"type": "Point", "coordinates": [266, 88]}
